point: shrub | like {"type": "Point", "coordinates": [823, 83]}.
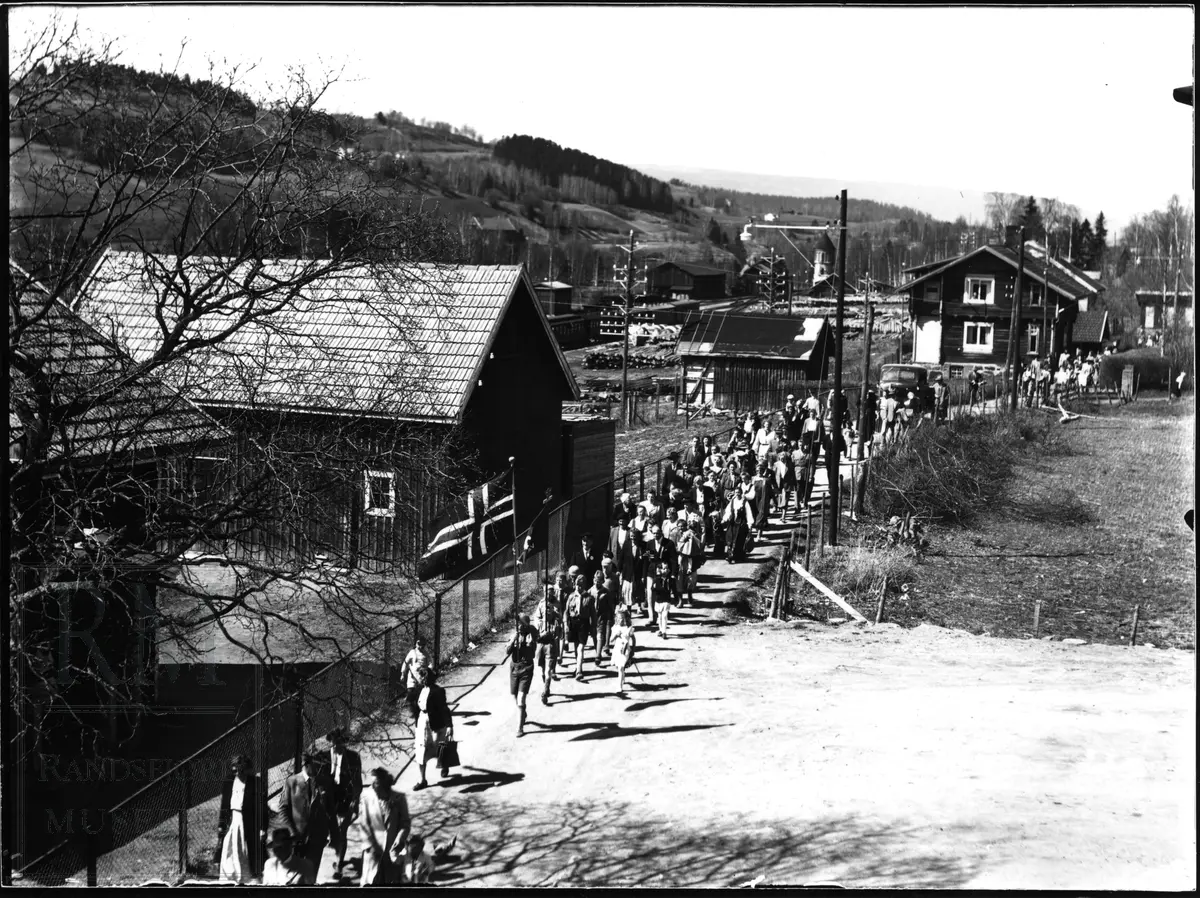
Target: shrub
{"type": "Point", "coordinates": [1151, 368]}
{"type": "Point", "coordinates": [951, 472]}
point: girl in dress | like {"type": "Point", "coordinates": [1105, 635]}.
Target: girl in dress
{"type": "Point", "coordinates": [241, 824]}
{"type": "Point", "coordinates": [623, 645]}
{"type": "Point", "coordinates": [434, 726]}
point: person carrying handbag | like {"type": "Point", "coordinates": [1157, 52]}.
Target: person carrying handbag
{"type": "Point", "coordinates": [435, 726]}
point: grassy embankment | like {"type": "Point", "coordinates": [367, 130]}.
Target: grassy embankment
{"type": "Point", "coordinates": [1084, 518]}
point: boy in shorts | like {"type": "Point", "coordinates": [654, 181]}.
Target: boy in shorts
{"type": "Point", "coordinates": [523, 649]}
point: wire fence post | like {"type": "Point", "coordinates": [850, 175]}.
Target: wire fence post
{"type": "Point", "coordinates": [91, 851]}
{"type": "Point", "coordinates": [466, 615]}
{"type": "Point", "coordinates": [808, 537]}
{"type": "Point", "coordinates": [821, 541]}
{"type": "Point", "coordinates": [1037, 615]}
{"type": "Point", "coordinates": [185, 802]}
{"type": "Point", "coordinates": [298, 734]}
{"type": "Point", "coordinates": [437, 630]}
{"type": "Point", "coordinates": [492, 592]}
{"type": "Point", "coordinates": [1137, 610]}
{"type": "Point", "coordinates": [642, 483]}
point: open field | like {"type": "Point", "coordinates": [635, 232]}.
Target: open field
{"type": "Point", "coordinates": [1132, 473]}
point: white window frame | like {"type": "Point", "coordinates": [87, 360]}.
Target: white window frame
{"type": "Point", "coordinates": [970, 282]}
{"type": "Point", "coordinates": [1150, 319]}
{"type": "Point", "coordinates": [1035, 339]}
{"type": "Point", "coordinates": [376, 511]}
{"type": "Point", "coordinates": [978, 348]}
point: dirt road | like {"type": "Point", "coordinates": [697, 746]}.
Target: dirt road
{"type": "Point", "coordinates": [866, 756]}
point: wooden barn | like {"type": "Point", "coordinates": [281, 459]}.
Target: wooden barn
{"type": "Point", "coordinates": [377, 375]}
{"type": "Point", "coordinates": [752, 361]}
{"type": "Point", "coordinates": [686, 280]}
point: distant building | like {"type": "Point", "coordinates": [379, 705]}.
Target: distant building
{"type": "Point", "coordinates": [751, 361]}
{"type": "Point", "coordinates": [555, 297]}
{"type": "Point", "coordinates": [961, 307]}
{"type": "Point", "coordinates": [1089, 331]}
{"type": "Point", "coordinates": [686, 280]}
{"type": "Point", "coordinates": [1160, 308]}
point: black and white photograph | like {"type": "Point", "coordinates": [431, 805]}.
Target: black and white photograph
{"type": "Point", "coordinates": [660, 446]}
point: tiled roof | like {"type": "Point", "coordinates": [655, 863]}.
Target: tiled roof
{"type": "Point", "coordinates": [1090, 327]}
{"type": "Point", "coordinates": [694, 269]}
{"type": "Point", "coordinates": [826, 245]}
{"type": "Point", "coordinates": [120, 411]}
{"type": "Point", "coordinates": [759, 336]}
{"type": "Point", "coordinates": [400, 341]}
{"type": "Point", "coordinates": [829, 284]}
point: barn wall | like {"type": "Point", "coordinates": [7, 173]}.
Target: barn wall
{"type": "Point", "coordinates": [516, 409]}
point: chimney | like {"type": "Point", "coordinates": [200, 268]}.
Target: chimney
{"type": "Point", "coordinates": [1011, 237]}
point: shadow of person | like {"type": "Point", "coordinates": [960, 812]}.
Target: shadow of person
{"type": "Point", "coordinates": [481, 780]}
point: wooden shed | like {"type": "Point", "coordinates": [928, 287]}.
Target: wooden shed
{"type": "Point", "coordinates": [686, 280]}
{"type": "Point", "coordinates": [740, 361]}
{"type": "Point", "coordinates": [589, 458]}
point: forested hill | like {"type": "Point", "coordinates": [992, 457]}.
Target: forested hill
{"type": "Point", "coordinates": [631, 188]}
{"type": "Point", "coordinates": [858, 210]}
{"type": "Point", "coordinates": [112, 76]}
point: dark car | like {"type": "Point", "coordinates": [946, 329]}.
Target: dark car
{"type": "Point", "coordinates": [898, 381]}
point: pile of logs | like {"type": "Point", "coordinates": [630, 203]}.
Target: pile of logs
{"type": "Point", "coordinates": [610, 357]}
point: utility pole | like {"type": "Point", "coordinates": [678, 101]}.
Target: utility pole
{"type": "Point", "coordinates": [629, 283]}
{"type": "Point", "coordinates": [1014, 333]}
{"type": "Point", "coordinates": [833, 462]}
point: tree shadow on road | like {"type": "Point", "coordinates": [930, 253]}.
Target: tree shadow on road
{"type": "Point", "coordinates": [612, 843]}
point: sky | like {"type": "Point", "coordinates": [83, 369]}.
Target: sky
{"type": "Point", "coordinates": [1071, 102]}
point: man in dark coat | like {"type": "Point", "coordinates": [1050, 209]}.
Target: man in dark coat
{"type": "Point", "coordinates": [626, 553]}
{"type": "Point", "coordinates": [659, 550]}
{"type": "Point", "coordinates": [586, 558]}
{"type": "Point", "coordinates": [345, 769]}
{"type": "Point", "coordinates": [306, 809]}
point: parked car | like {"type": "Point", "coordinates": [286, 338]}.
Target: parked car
{"type": "Point", "coordinates": [900, 380]}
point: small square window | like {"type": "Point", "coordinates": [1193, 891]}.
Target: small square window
{"type": "Point", "coordinates": [977, 337]}
{"type": "Point", "coordinates": [379, 493]}
{"type": "Point", "coordinates": [980, 290]}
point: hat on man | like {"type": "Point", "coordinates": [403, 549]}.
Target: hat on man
{"type": "Point", "coordinates": [338, 734]}
{"type": "Point", "coordinates": [623, 519]}
{"type": "Point", "coordinates": [791, 397]}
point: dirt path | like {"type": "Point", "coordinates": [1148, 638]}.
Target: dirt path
{"type": "Point", "coordinates": [867, 756]}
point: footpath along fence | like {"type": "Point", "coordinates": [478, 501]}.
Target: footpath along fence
{"type": "Point", "coordinates": [168, 829]}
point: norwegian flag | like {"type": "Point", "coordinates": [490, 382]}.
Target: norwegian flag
{"type": "Point", "coordinates": [470, 529]}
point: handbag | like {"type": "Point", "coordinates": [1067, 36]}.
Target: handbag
{"type": "Point", "coordinates": [447, 754]}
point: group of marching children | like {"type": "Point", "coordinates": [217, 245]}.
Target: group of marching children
{"type": "Point", "coordinates": [711, 502]}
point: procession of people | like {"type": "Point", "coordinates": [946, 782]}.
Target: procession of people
{"type": "Point", "coordinates": [713, 501]}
